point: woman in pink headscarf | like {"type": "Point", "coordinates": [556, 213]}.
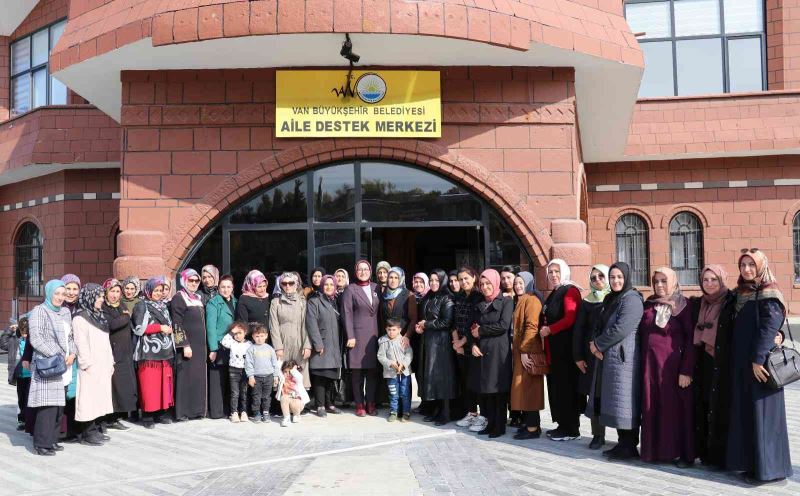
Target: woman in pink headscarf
{"type": "Point", "coordinates": [490, 341]}
{"type": "Point", "coordinates": [253, 306]}
{"type": "Point", "coordinates": [188, 315]}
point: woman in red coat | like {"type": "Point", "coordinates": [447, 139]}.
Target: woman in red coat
{"type": "Point", "coordinates": [668, 357]}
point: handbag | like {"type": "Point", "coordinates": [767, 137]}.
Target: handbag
{"type": "Point", "coordinates": [52, 366]}
{"type": "Point", "coordinates": [783, 364]}
{"type": "Point", "coordinates": [540, 365]}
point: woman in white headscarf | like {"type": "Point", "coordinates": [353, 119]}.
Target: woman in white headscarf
{"type": "Point", "coordinates": [287, 324]}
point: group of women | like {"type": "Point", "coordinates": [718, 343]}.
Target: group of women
{"type": "Point", "coordinates": [686, 373]}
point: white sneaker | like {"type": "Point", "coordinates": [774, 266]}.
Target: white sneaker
{"type": "Point", "coordinates": [478, 424]}
{"type": "Point", "coordinates": [467, 420]}
{"type": "Point", "coordinates": [295, 419]}
{"type": "Point", "coordinates": [285, 422]}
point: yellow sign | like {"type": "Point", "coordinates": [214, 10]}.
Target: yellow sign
{"type": "Point", "coordinates": [368, 104]}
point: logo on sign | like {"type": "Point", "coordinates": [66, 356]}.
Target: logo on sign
{"type": "Point", "coordinates": [371, 88]}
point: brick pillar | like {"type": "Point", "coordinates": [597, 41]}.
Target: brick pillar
{"type": "Point", "coordinates": [5, 81]}
{"type": "Point", "coordinates": [569, 244]}
{"type": "Point", "coordinates": [783, 44]}
{"type": "Point", "coordinates": [139, 254]}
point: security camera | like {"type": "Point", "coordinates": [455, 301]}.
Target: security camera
{"type": "Point", "coordinates": [347, 51]}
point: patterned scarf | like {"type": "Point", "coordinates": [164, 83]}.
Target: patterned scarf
{"type": "Point", "coordinates": [157, 305]}
{"type": "Point", "coordinates": [597, 295]}
{"type": "Point", "coordinates": [107, 286]}
{"type": "Point", "coordinates": [86, 300]}
{"type": "Point", "coordinates": [673, 303]}
{"type": "Point", "coordinates": [763, 287]}
{"type": "Point", "coordinates": [189, 296]}
{"type": "Point", "coordinates": [391, 294]}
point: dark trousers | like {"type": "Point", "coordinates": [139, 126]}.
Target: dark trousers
{"type": "Point", "coordinates": [262, 394]}
{"type": "Point", "coordinates": [531, 419]}
{"type": "Point", "coordinates": [88, 430]}
{"type": "Point", "coordinates": [69, 426]}
{"type": "Point", "coordinates": [628, 438]}
{"type": "Point", "coordinates": [237, 381]}
{"type": "Point", "coordinates": [218, 391]}
{"type": "Point", "coordinates": [23, 386]}
{"type": "Point", "coordinates": [364, 383]}
{"type": "Point", "coordinates": [48, 424]}
{"type": "Point", "coordinates": [441, 409]}
{"type": "Point", "coordinates": [496, 412]}
{"type": "Point", "coordinates": [322, 388]}
{"type": "Point", "coordinates": [598, 429]}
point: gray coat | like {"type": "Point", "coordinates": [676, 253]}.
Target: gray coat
{"type": "Point", "coordinates": [323, 326]}
{"type": "Point", "coordinates": [618, 375]}
{"type": "Point", "coordinates": [48, 338]}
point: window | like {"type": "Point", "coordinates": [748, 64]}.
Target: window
{"type": "Point", "coordinates": [796, 247]}
{"type": "Point", "coordinates": [31, 83]}
{"type": "Point", "coordinates": [28, 261]}
{"type": "Point", "coordinates": [633, 247]}
{"type": "Point", "coordinates": [694, 47]}
{"type": "Point", "coordinates": [686, 247]}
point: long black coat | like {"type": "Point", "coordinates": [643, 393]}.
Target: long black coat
{"type": "Point", "coordinates": [495, 320]}
{"type": "Point", "coordinates": [712, 383]}
{"type": "Point", "coordinates": [124, 391]}
{"type": "Point", "coordinates": [323, 327]}
{"type": "Point", "coordinates": [583, 331]}
{"type": "Point", "coordinates": [438, 378]}
{"type": "Point", "coordinates": [758, 438]}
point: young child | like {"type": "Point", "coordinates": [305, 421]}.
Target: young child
{"type": "Point", "coordinates": [396, 363]}
{"type": "Point", "coordinates": [291, 393]}
{"type": "Point", "coordinates": [19, 373]}
{"type": "Point", "coordinates": [261, 366]}
{"type": "Point", "coordinates": [235, 342]}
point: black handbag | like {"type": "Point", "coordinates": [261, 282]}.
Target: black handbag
{"type": "Point", "coordinates": [783, 363]}
{"type": "Point", "coordinates": [52, 366]}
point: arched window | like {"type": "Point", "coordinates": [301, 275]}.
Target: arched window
{"type": "Point", "coordinates": [633, 247]}
{"type": "Point", "coordinates": [686, 247]}
{"type": "Point", "coordinates": [796, 247]}
{"type": "Point", "coordinates": [28, 261]}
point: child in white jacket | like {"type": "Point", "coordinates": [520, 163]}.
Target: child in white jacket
{"type": "Point", "coordinates": [235, 342]}
{"type": "Point", "coordinates": [291, 393]}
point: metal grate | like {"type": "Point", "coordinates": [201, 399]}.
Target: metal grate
{"type": "Point", "coordinates": [28, 261]}
{"type": "Point", "coordinates": [633, 247]}
{"type": "Point", "coordinates": [686, 247]}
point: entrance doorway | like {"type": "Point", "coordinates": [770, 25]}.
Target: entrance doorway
{"type": "Point", "coordinates": [418, 249]}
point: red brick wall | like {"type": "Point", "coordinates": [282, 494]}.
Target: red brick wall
{"type": "Point", "coordinates": [46, 12]}
{"type": "Point", "coordinates": [5, 71]}
{"type": "Point", "coordinates": [736, 217]}
{"type": "Point", "coordinates": [78, 234]}
{"type": "Point", "coordinates": [783, 44]}
{"type": "Point", "coordinates": [186, 132]}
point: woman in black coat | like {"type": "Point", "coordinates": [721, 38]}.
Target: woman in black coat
{"type": "Point", "coordinates": [324, 331]}
{"type": "Point", "coordinates": [188, 315]}
{"type": "Point", "coordinates": [253, 305]}
{"type": "Point", "coordinates": [758, 438]}
{"type": "Point", "coordinates": [123, 383]}
{"type": "Point", "coordinates": [438, 361]}
{"type": "Point", "coordinates": [491, 342]}
{"type": "Point", "coordinates": [463, 317]}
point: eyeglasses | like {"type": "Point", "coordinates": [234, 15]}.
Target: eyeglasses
{"type": "Point", "coordinates": [598, 277]}
{"type": "Point", "coordinates": [705, 325]}
{"type": "Point", "coordinates": [194, 280]}
{"type": "Point", "coordinates": [287, 283]}
{"type": "Point", "coordinates": [748, 250]}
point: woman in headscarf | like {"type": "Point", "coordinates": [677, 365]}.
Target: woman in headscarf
{"type": "Point", "coordinates": [342, 280]}
{"type": "Point", "coordinates": [287, 324]}
{"type": "Point", "coordinates": [491, 342]}
{"type": "Point", "coordinates": [95, 364]}
{"type": "Point", "coordinates": [188, 319]}
{"type": "Point", "coordinates": [436, 376]}
{"type": "Point", "coordinates": [586, 324]}
{"type": "Point", "coordinates": [50, 331]}
{"type": "Point", "coordinates": [131, 293]}
{"type": "Point", "coordinates": [219, 315]}
{"type": "Point", "coordinates": [398, 303]}
{"type": "Point", "coordinates": [668, 357]}
{"type": "Point", "coordinates": [169, 290]}
{"type": "Point", "coordinates": [154, 352]}
{"type": "Point", "coordinates": [452, 282]}
{"type": "Point", "coordinates": [360, 304]}
{"type": "Point", "coordinates": [528, 358]}
{"type": "Point", "coordinates": [464, 316]}
{"type": "Point", "coordinates": [72, 286]}
{"type": "Point", "coordinates": [253, 305]}
{"type": "Point", "coordinates": [315, 279]}
{"type": "Point", "coordinates": [615, 394]}
{"type": "Point", "coordinates": [382, 275]}
{"type": "Point", "coordinates": [324, 332]}
{"type": "Point", "coordinates": [559, 313]}
{"type": "Point", "coordinates": [758, 439]}
{"type": "Point", "coordinates": [420, 286]}
{"type": "Point", "coordinates": [123, 382]}
{"type": "Point", "coordinates": [209, 277]}
{"type": "Point", "coordinates": [713, 315]}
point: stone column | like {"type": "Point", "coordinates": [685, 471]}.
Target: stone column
{"type": "Point", "coordinates": [569, 244]}
{"type": "Point", "coordinates": [139, 254]}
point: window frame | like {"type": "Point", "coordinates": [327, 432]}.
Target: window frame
{"type": "Point", "coordinates": [646, 235]}
{"type": "Point", "coordinates": [29, 249]}
{"type": "Point", "coordinates": [700, 246]}
{"type": "Point", "coordinates": [723, 38]}
{"type": "Point", "coordinates": [32, 69]}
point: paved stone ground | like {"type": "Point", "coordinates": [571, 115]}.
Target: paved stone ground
{"type": "Point", "coordinates": [344, 455]}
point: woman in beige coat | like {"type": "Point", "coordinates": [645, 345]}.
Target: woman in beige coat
{"type": "Point", "coordinates": [287, 324]}
{"type": "Point", "coordinates": [95, 364]}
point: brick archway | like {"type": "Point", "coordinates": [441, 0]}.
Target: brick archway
{"type": "Point", "coordinates": [532, 231]}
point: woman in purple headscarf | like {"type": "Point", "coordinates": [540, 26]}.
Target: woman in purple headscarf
{"type": "Point", "coordinates": [188, 319]}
